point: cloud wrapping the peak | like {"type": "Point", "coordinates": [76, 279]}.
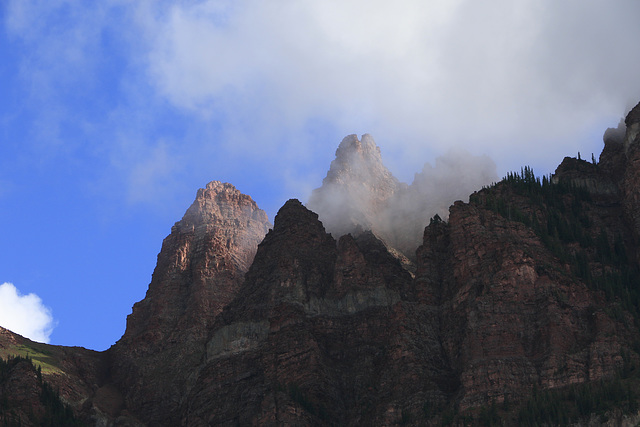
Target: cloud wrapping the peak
{"type": "Point", "coordinates": [359, 193]}
{"type": "Point", "coordinates": [25, 314]}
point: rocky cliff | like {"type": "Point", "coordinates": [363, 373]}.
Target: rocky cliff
{"type": "Point", "coordinates": [200, 268]}
{"type": "Point", "coordinates": [520, 308]}
{"type": "Point", "coordinates": [317, 335]}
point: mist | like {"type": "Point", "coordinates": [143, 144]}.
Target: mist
{"type": "Point", "coordinates": [359, 193]}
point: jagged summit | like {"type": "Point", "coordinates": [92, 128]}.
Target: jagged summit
{"type": "Point", "coordinates": [200, 268]}
{"type": "Point", "coordinates": [356, 189]}
{"type": "Point", "coordinates": [358, 158]}
{"type": "Point", "coordinates": [289, 217]}
{"type": "Point", "coordinates": [236, 217]}
{"type": "Point", "coordinates": [359, 193]}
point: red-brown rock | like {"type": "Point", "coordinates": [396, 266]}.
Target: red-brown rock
{"type": "Point", "coordinates": [200, 268]}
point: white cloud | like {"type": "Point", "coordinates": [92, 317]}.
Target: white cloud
{"type": "Point", "coordinates": [524, 82]}
{"type": "Point", "coordinates": [25, 314]}
{"type": "Point", "coordinates": [500, 77]}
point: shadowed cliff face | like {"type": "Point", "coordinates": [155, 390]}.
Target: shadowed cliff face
{"type": "Point", "coordinates": [317, 333]}
{"type": "Point", "coordinates": [512, 317]}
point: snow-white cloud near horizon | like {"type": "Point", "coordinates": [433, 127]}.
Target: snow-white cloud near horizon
{"type": "Point", "coordinates": [25, 314]}
{"type": "Point", "coordinates": [524, 82]}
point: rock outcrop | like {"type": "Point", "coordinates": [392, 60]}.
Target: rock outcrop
{"type": "Point", "coordinates": [357, 189]}
{"type": "Point", "coordinates": [200, 268]}
{"type": "Point", "coordinates": [359, 193]}
{"type": "Point", "coordinates": [631, 181]}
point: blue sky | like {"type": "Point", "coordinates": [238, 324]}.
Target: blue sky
{"type": "Point", "coordinates": [112, 116]}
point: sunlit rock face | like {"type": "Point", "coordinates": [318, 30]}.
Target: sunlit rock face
{"type": "Point", "coordinates": [200, 268]}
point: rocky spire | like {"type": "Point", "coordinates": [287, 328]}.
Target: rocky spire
{"type": "Point", "coordinates": [200, 268]}
{"type": "Point", "coordinates": [356, 189]}
{"type": "Point", "coordinates": [201, 261]}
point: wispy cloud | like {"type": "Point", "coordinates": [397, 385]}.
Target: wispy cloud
{"type": "Point", "coordinates": [25, 314]}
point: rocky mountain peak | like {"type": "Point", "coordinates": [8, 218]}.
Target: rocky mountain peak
{"type": "Point", "coordinates": [358, 165]}
{"type": "Point", "coordinates": [222, 207]}
{"type": "Point", "coordinates": [202, 261]}
{"type": "Point", "coordinates": [356, 189]}
{"type": "Point", "coordinates": [293, 262]}
{"type": "Point", "coordinates": [359, 193]}
{"type": "Point", "coordinates": [200, 268]}
{"type": "Point", "coordinates": [352, 154]}
{"type": "Point", "coordinates": [293, 215]}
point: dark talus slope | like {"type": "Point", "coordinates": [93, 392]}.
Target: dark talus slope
{"type": "Point", "coordinates": [200, 268]}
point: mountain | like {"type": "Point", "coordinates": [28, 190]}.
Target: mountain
{"type": "Point", "coordinates": [520, 306]}
{"type": "Point", "coordinates": [357, 189]}
{"type": "Point", "coordinates": [359, 193]}
{"type": "Point", "coordinates": [200, 269]}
